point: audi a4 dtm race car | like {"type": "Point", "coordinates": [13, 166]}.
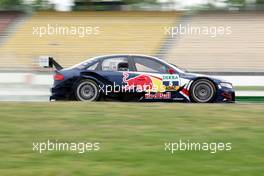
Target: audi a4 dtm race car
{"type": "Point", "coordinates": [134, 78]}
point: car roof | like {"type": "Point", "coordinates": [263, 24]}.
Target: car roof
{"type": "Point", "coordinates": [112, 55]}
{"type": "Point", "coordinates": [139, 55]}
{"type": "Point", "coordinates": [118, 55]}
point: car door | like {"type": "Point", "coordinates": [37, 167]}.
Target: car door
{"type": "Point", "coordinates": [154, 76]}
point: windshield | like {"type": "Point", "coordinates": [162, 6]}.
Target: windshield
{"type": "Point", "coordinates": [178, 68]}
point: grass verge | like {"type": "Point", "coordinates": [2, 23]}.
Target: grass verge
{"type": "Point", "coordinates": [132, 138]}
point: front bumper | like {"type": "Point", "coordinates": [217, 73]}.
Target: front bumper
{"type": "Point", "coordinates": [226, 95]}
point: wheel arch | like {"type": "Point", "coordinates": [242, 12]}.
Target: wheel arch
{"type": "Point", "coordinates": [95, 77]}
{"type": "Point", "coordinates": [204, 77]}
{"type": "Point", "coordinates": [101, 81]}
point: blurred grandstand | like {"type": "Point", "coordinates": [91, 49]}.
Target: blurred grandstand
{"type": "Point", "coordinates": [136, 32]}
{"type": "Point", "coordinates": [242, 51]}
{"type": "Point", "coordinates": [120, 32]}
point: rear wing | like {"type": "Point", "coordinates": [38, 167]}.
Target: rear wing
{"type": "Point", "coordinates": [49, 62]}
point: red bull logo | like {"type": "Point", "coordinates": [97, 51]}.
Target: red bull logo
{"type": "Point", "coordinates": [143, 82]}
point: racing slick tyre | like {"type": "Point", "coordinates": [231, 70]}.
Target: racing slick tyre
{"type": "Point", "coordinates": [87, 90]}
{"type": "Point", "coordinates": [203, 91]}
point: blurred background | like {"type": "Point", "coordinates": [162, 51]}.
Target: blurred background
{"type": "Point", "coordinates": [131, 26]}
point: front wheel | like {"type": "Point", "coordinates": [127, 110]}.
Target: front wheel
{"type": "Point", "coordinates": [203, 91]}
{"type": "Point", "coordinates": [87, 90]}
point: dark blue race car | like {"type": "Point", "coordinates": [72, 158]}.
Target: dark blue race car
{"type": "Point", "coordinates": [134, 78]}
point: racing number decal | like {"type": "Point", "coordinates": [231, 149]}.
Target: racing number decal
{"type": "Point", "coordinates": [171, 82]}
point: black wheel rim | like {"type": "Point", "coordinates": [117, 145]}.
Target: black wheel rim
{"type": "Point", "coordinates": [203, 92]}
{"type": "Point", "coordinates": [87, 92]}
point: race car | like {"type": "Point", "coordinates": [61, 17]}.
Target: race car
{"type": "Point", "coordinates": [131, 77]}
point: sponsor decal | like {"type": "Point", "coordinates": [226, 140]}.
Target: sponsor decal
{"type": "Point", "coordinates": [159, 96]}
{"type": "Point", "coordinates": [151, 83]}
{"type": "Point", "coordinates": [170, 78]}
{"type": "Point", "coordinates": [171, 82]}
{"type": "Point", "coordinates": [172, 88]}
{"type": "Point", "coordinates": [143, 82]}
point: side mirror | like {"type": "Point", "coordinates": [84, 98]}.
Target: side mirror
{"type": "Point", "coordinates": [171, 71]}
{"type": "Point", "coordinates": [122, 66]}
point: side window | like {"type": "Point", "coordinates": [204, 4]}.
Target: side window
{"type": "Point", "coordinates": [144, 64]}
{"type": "Point", "coordinates": [93, 66]}
{"type": "Point", "coordinates": [110, 64]}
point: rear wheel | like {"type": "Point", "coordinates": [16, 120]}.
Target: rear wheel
{"type": "Point", "coordinates": [87, 90]}
{"type": "Point", "coordinates": [203, 91]}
